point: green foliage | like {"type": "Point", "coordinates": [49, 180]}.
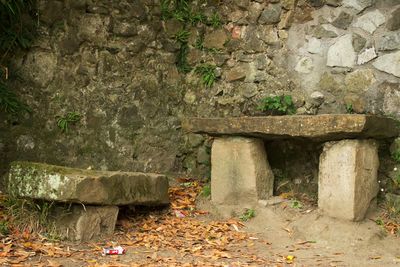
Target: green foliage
{"type": "Point", "coordinates": [349, 109]}
{"type": "Point", "coordinates": [181, 11]}
{"type": "Point", "coordinates": [206, 191]}
{"type": "Point", "coordinates": [70, 118]}
{"type": "Point", "coordinates": [278, 105]}
{"type": "Point", "coordinates": [182, 36]}
{"type": "Point", "coordinates": [15, 33]}
{"type": "Point", "coordinates": [30, 215]}
{"type": "Point", "coordinates": [296, 204]}
{"type": "Point", "coordinates": [214, 21]}
{"type": "Point", "coordinates": [207, 73]}
{"type": "Point", "coordinates": [247, 215]}
{"type": "Point", "coordinates": [396, 156]}
{"type": "Point", "coordinates": [4, 228]}
{"type": "Point", "coordinates": [181, 59]}
{"type": "Point", "coordinates": [9, 101]}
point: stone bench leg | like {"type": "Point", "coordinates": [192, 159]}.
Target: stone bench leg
{"type": "Point", "coordinates": [86, 223]}
{"type": "Point", "coordinates": [348, 171]}
{"type": "Point", "coordinates": [240, 173]}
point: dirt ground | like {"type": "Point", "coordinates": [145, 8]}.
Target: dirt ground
{"type": "Point", "coordinates": [193, 232]}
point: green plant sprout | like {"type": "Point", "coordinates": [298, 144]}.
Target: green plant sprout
{"type": "Point", "coordinates": [207, 73]}
{"type": "Point", "coordinates": [9, 101]}
{"type": "Point", "coordinates": [349, 108]}
{"type": "Point", "coordinates": [280, 105]}
{"type": "Point", "coordinates": [182, 36]}
{"type": "Point", "coordinates": [70, 118]}
{"type": "Point", "coordinates": [296, 204]}
{"type": "Point", "coordinates": [247, 215]}
{"type": "Point", "coordinates": [206, 191]}
{"type": "Point", "coordinates": [214, 21]}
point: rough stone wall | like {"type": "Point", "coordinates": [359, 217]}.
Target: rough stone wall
{"type": "Point", "coordinates": [114, 63]}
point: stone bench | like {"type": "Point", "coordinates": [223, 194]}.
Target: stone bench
{"type": "Point", "coordinates": [347, 182]}
{"type": "Point", "coordinates": [96, 194]}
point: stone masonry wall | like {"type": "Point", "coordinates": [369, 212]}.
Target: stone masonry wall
{"type": "Point", "coordinates": [114, 63]}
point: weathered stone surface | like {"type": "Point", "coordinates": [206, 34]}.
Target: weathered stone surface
{"type": "Point", "coordinates": [341, 54]}
{"type": "Point", "coordinates": [319, 127]}
{"type": "Point", "coordinates": [358, 42]}
{"type": "Point", "coordinates": [366, 56]}
{"type": "Point", "coordinates": [55, 183]}
{"type": "Point", "coordinates": [216, 39]}
{"type": "Point", "coordinates": [317, 3]}
{"type": "Point", "coordinates": [391, 101]}
{"type": "Point", "coordinates": [94, 28]}
{"type": "Point", "coordinates": [370, 21]}
{"type": "Point", "coordinates": [271, 14]}
{"type": "Point", "coordinates": [334, 3]}
{"type": "Point", "coordinates": [40, 67]}
{"type": "Point", "coordinates": [305, 65]}
{"type": "Point", "coordinates": [358, 5]}
{"type": "Point", "coordinates": [360, 80]}
{"type": "Point", "coordinates": [237, 73]}
{"type": "Point", "coordinates": [240, 173]}
{"type": "Point", "coordinates": [343, 21]}
{"type": "Point", "coordinates": [323, 31]}
{"type": "Point", "coordinates": [84, 223]}
{"type": "Point", "coordinates": [356, 101]}
{"type": "Point", "coordinates": [348, 183]}
{"type": "Point", "coordinates": [389, 63]}
{"type": "Point", "coordinates": [393, 23]}
{"type": "Point", "coordinates": [314, 46]}
{"type": "Point", "coordinates": [328, 83]}
{"type": "Point", "coordinates": [388, 41]}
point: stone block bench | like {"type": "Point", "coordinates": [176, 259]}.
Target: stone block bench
{"type": "Point", "coordinates": [348, 167]}
{"type": "Point", "coordinates": [96, 194]}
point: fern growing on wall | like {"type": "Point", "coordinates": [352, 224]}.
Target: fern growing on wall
{"type": "Point", "coordinates": [16, 30]}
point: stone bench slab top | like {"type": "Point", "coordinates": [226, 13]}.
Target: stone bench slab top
{"type": "Point", "coordinates": [56, 183]}
{"type": "Point", "coordinates": [317, 127]}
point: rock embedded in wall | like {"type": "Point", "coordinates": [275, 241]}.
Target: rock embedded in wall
{"type": "Point", "coordinates": [324, 31]}
{"type": "Point", "coordinates": [271, 14]}
{"type": "Point", "coordinates": [370, 21]}
{"type": "Point", "coordinates": [356, 102]}
{"type": "Point", "coordinates": [341, 53]}
{"type": "Point", "coordinates": [305, 65]}
{"type": "Point", "coordinates": [391, 102]}
{"type": "Point", "coordinates": [39, 67]}
{"type": "Point", "coordinates": [360, 80]}
{"type": "Point", "coordinates": [216, 39]}
{"type": "Point", "coordinates": [358, 5]}
{"type": "Point", "coordinates": [94, 28]}
{"type": "Point", "coordinates": [393, 22]}
{"type": "Point", "coordinates": [366, 56]}
{"type": "Point", "coordinates": [389, 63]}
{"type": "Point", "coordinates": [314, 46]}
{"type": "Point", "coordinates": [388, 41]}
{"type": "Point", "coordinates": [358, 42]}
{"type": "Point", "coordinates": [343, 20]}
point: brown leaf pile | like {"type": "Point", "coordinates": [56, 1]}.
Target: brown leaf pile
{"type": "Point", "coordinates": [178, 237]}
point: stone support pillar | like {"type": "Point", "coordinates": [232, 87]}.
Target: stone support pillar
{"type": "Point", "coordinates": [348, 183]}
{"type": "Point", "coordinates": [84, 223]}
{"type": "Point", "coordinates": [240, 172]}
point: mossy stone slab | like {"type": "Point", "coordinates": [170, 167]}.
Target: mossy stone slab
{"type": "Point", "coordinates": [319, 127]}
{"type": "Point", "coordinates": [56, 183]}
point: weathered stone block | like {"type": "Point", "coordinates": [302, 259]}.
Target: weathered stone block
{"type": "Point", "coordinates": [83, 223]}
{"type": "Point", "coordinates": [240, 172]}
{"type": "Point", "coordinates": [348, 178]}
{"type": "Point", "coordinates": [320, 127]}
{"type": "Point", "coordinates": [389, 63]}
{"type": "Point", "coordinates": [55, 183]}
